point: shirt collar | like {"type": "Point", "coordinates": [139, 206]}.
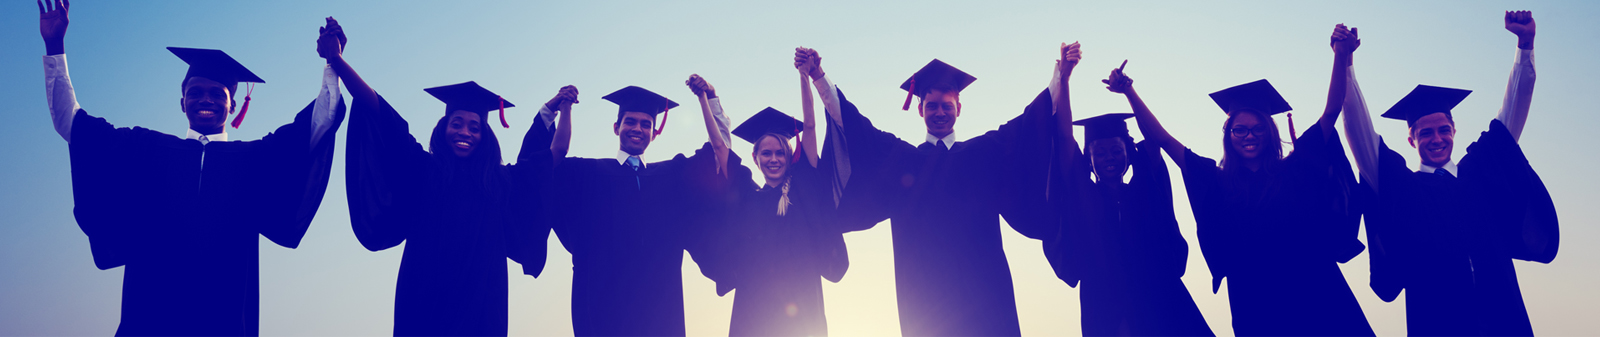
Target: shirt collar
{"type": "Point", "coordinates": [622, 158]}
{"type": "Point", "coordinates": [1448, 166]}
{"type": "Point", "coordinates": [949, 140]}
{"type": "Point", "coordinates": [220, 137]}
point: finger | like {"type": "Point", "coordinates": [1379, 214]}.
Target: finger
{"type": "Point", "coordinates": [41, 6]}
{"type": "Point", "coordinates": [1355, 34]}
{"type": "Point", "coordinates": [1124, 65]}
{"type": "Point", "coordinates": [66, 6]}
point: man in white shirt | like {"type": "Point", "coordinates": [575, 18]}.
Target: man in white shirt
{"type": "Point", "coordinates": [183, 215]}
{"type": "Point", "coordinates": [1446, 233]}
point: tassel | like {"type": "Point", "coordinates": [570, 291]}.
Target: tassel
{"type": "Point", "coordinates": [503, 123]}
{"type": "Point", "coordinates": [1292, 137]}
{"type": "Point", "coordinates": [909, 94]}
{"type": "Point", "coordinates": [249, 88]}
{"type": "Point", "coordinates": [783, 201]}
{"type": "Point", "coordinates": [662, 122]}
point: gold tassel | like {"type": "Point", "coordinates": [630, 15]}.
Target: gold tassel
{"type": "Point", "coordinates": [783, 201]}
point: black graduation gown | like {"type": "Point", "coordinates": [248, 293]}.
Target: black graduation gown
{"type": "Point", "coordinates": [1122, 243]}
{"type": "Point", "coordinates": [183, 217]}
{"type": "Point", "coordinates": [775, 261]}
{"type": "Point", "coordinates": [1278, 236]}
{"type": "Point", "coordinates": [951, 274]}
{"type": "Point", "coordinates": [458, 232]}
{"type": "Point", "coordinates": [1448, 242]}
{"type": "Point", "coordinates": [627, 231]}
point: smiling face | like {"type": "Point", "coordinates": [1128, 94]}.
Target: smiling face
{"type": "Point", "coordinates": [634, 130]}
{"type": "Point", "coordinates": [464, 131]}
{"type": "Point", "coordinates": [207, 103]}
{"type": "Point", "coordinates": [939, 110]}
{"type": "Point", "coordinates": [1247, 135]}
{"type": "Point", "coordinates": [1434, 136]}
{"type": "Point", "coordinates": [772, 154]}
{"type": "Point", "coordinates": [1109, 157]}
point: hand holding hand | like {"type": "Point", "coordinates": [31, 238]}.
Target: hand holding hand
{"type": "Point", "coordinates": [699, 85]}
{"type": "Point", "coordinates": [1118, 82]}
{"type": "Point", "coordinates": [1344, 40]}
{"type": "Point", "coordinates": [53, 24]}
{"type": "Point", "coordinates": [1070, 55]}
{"type": "Point", "coordinates": [564, 99]}
{"type": "Point", "coordinates": [809, 62]}
{"type": "Point", "coordinates": [330, 40]}
{"type": "Point", "coordinates": [1521, 23]}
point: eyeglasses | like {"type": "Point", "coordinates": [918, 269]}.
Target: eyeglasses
{"type": "Point", "coordinates": [1241, 132]}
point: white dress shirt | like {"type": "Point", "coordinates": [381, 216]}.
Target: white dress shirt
{"type": "Point", "coordinates": [63, 102]}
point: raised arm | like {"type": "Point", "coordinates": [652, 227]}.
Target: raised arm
{"type": "Point", "coordinates": [1151, 128]}
{"type": "Point", "coordinates": [562, 140]}
{"type": "Point", "coordinates": [1519, 92]}
{"type": "Point", "coordinates": [1066, 145]}
{"type": "Point", "coordinates": [1344, 43]}
{"type": "Point", "coordinates": [330, 46]}
{"type": "Point", "coordinates": [716, 122]}
{"type": "Point", "coordinates": [810, 63]}
{"type": "Point", "coordinates": [58, 92]}
{"type": "Point", "coordinates": [808, 136]}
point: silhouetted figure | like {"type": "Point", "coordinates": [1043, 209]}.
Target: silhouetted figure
{"type": "Point", "coordinates": [1120, 239]}
{"type": "Point", "coordinates": [184, 215]}
{"type": "Point", "coordinates": [628, 223]}
{"type": "Point", "coordinates": [946, 198]}
{"type": "Point", "coordinates": [781, 239]}
{"type": "Point", "coordinates": [1276, 227]}
{"type": "Point", "coordinates": [1446, 233]}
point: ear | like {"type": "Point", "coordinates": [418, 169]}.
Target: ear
{"type": "Point", "coordinates": [958, 106]}
{"type": "Point", "coordinates": [1411, 140]}
{"type": "Point", "coordinates": [920, 112]}
{"type": "Point", "coordinates": [181, 107]}
{"type": "Point", "coordinates": [616, 128]}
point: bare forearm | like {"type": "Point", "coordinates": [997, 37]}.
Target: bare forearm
{"type": "Point", "coordinates": [1337, 85]}
{"type": "Point", "coordinates": [808, 136]}
{"type": "Point", "coordinates": [562, 138]}
{"type": "Point", "coordinates": [360, 92]}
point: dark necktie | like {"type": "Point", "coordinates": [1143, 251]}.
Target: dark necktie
{"type": "Point", "coordinates": [1443, 173]}
{"type": "Point", "coordinates": [633, 163]}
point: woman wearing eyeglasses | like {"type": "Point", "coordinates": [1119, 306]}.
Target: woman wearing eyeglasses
{"type": "Point", "coordinates": [1275, 226]}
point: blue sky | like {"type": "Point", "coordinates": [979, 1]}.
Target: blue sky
{"type": "Point", "coordinates": [1178, 52]}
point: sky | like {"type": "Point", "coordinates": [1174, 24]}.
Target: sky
{"type": "Point", "coordinates": [526, 50]}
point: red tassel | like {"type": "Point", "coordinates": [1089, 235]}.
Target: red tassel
{"type": "Point", "coordinates": [1292, 137]}
{"type": "Point", "coordinates": [249, 88]}
{"type": "Point", "coordinates": [503, 113]}
{"type": "Point", "coordinates": [662, 121]}
{"type": "Point", "coordinates": [799, 150]}
{"type": "Point", "coordinates": [909, 93]}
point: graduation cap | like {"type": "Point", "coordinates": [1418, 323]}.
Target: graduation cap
{"type": "Point", "coordinates": [1426, 100]}
{"type": "Point", "coordinates": [1258, 96]}
{"type": "Point", "coordinates": [769, 120]}
{"type": "Point", "coordinates": [638, 99]}
{"type": "Point", "coordinates": [218, 66]}
{"type": "Point", "coordinates": [471, 97]}
{"type": "Point", "coordinates": [1104, 126]}
{"type": "Point", "coordinates": [934, 75]}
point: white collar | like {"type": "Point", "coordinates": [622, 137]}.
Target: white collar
{"type": "Point", "coordinates": [949, 140]}
{"type": "Point", "coordinates": [1448, 166]}
{"type": "Point", "coordinates": [622, 158]}
{"type": "Point", "coordinates": [220, 137]}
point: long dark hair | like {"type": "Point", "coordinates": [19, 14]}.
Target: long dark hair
{"type": "Point", "coordinates": [1270, 156]}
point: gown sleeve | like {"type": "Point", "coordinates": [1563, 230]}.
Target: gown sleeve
{"type": "Point", "coordinates": [1066, 249]}
{"type": "Point", "coordinates": [1325, 180]}
{"type": "Point", "coordinates": [874, 190]}
{"type": "Point", "coordinates": [704, 202]}
{"type": "Point", "coordinates": [1520, 215]}
{"type": "Point", "coordinates": [387, 176]}
{"type": "Point", "coordinates": [828, 253]}
{"type": "Point", "coordinates": [106, 169]}
{"type": "Point", "coordinates": [528, 224]}
{"type": "Point", "coordinates": [1388, 257]}
{"type": "Point", "coordinates": [1203, 181]}
{"type": "Point", "coordinates": [1019, 152]}
{"type": "Point", "coordinates": [290, 176]}
{"type": "Point", "coordinates": [1160, 248]}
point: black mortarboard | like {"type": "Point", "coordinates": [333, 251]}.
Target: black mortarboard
{"type": "Point", "coordinates": [933, 75]}
{"type": "Point", "coordinates": [1258, 96]}
{"type": "Point", "coordinates": [471, 97]}
{"type": "Point", "coordinates": [217, 66]}
{"type": "Point", "coordinates": [638, 99]}
{"type": "Point", "coordinates": [1104, 126]}
{"type": "Point", "coordinates": [769, 120]}
{"type": "Point", "coordinates": [1425, 100]}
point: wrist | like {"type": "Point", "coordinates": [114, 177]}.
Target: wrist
{"type": "Point", "coordinates": [54, 47]}
{"type": "Point", "coordinates": [1525, 42]}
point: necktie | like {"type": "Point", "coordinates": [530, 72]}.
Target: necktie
{"type": "Point", "coordinates": [1444, 173]}
{"type": "Point", "coordinates": [941, 145]}
{"type": "Point", "coordinates": [633, 163]}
